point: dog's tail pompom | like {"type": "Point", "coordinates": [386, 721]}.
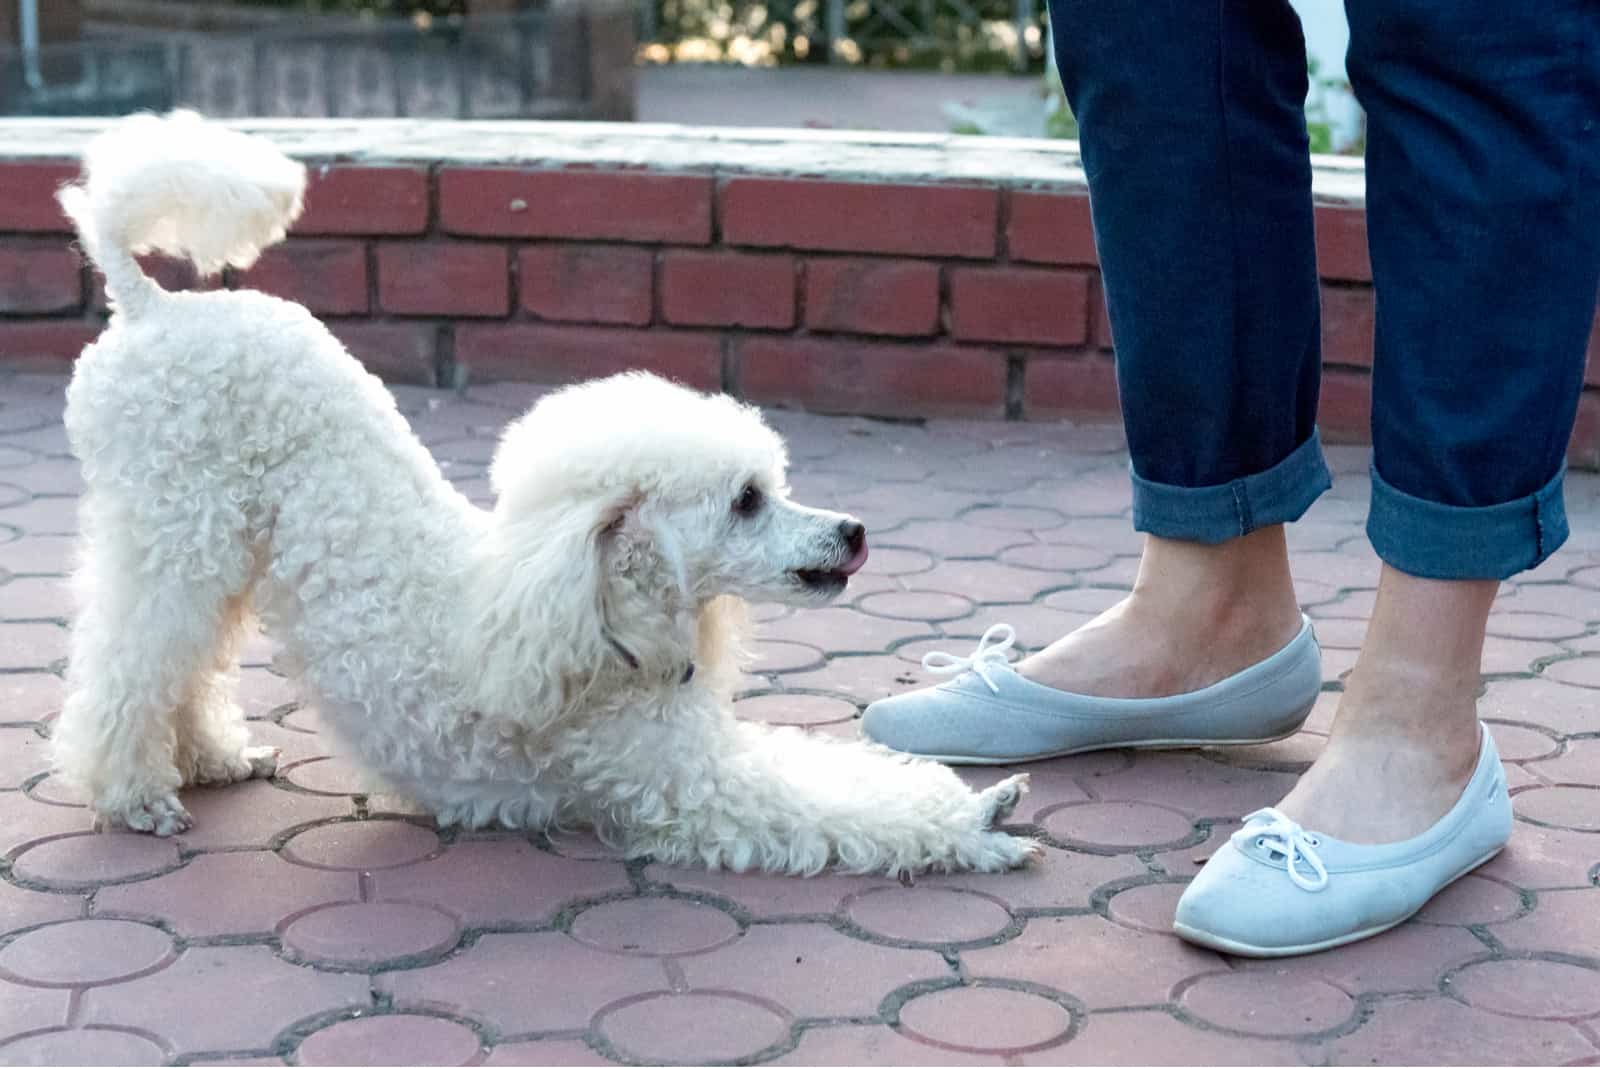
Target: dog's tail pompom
{"type": "Point", "coordinates": [182, 186]}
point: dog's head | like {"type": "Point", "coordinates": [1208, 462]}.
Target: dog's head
{"type": "Point", "coordinates": [627, 507]}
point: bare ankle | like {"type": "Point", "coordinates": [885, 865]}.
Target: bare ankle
{"type": "Point", "coordinates": [1238, 591]}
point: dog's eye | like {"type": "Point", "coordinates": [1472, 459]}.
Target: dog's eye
{"type": "Point", "coordinates": [748, 502]}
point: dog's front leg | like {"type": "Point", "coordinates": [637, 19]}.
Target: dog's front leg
{"type": "Point", "coordinates": [742, 796]}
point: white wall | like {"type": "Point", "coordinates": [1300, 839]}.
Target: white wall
{"type": "Point", "coordinates": [1327, 37]}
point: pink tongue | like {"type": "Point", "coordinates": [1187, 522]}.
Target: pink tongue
{"type": "Point", "coordinates": [852, 565]}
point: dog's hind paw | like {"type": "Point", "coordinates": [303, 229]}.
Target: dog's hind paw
{"type": "Point", "coordinates": [160, 816]}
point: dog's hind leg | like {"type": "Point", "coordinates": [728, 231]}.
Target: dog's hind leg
{"type": "Point", "coordinates": [213, 744]}
{"type": "Point", "coordinates": [148, 625]}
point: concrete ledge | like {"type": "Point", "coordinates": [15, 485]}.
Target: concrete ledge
{"type": "Point", "coordinates": [836, 155]}
{"type": "Point", "coordinates": [881, 274]}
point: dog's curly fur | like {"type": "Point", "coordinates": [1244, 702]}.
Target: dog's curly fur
{"type": "Point", "coordinates": [569, 657]}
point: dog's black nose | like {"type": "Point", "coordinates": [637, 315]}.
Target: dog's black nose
{"type": "Point", "coordinates": [853, 533]}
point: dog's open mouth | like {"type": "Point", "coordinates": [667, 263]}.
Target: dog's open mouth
{"type": "Point", "coordinates": [832, 579]}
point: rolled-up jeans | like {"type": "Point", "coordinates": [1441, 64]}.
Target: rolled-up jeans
{"type": "Point", "coordinates": [1483, 222]}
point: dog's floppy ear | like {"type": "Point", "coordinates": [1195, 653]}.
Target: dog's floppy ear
{"type": "Point", "coordinates": [534, 634]}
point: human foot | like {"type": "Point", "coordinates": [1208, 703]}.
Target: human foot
{"type": "Point", "coordinates": [1198, 614]}
{"type": "Point", "coordinates": [1406, 738]}
{"type": "Point", "coordinates": [1276, 888]}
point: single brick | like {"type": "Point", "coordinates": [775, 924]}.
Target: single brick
{"type": "Point", "coordinates": [592, 205]}
{"type": "Point", "coordinates": [1022, 305]}
{"type": "Point", "coordinates": [44, 344]}
{"type": "Point", "coordinates": [587, 284]}
{"type": "Point", "coordinates": [1591, 374]}
{"type": "Point", "coordinates": [1057, 386]}
{"type": "Point", "coordinates": [29, 203]}
{"type": "Point", "coordinates": [872, 378]}
{"type": "Point", "coordinates": [1099, 317]}
{"type": "Point", "coordinates": [728, 289]}
{"type": "Point", "coordinates": [1584, 449]}
{"type": "Point", "coordinates": [328, 277]}
{"type": "Point", "coordinates": [444, 279]}
{"type": "Point", "coordinates": [395, 352]}
{"type": "Point", "coordinates": [918, 220]}
{"type": "Point", "coordinates": [1347, 326]}
{"type": "Point", "coordinates": [1344, 408]}
{"type": "Point", "coordinates": [1051, 228]}
{"type": "Point", "coordinates": [349, 199]}
{"type": "Point", "coordinates": [536, 352]}
{"type": "Point", "coordinates": [1342, 244]}
{"type": "Point", "coordinates": [871, 296]}
{"type": "Point", "coordinates": [38, 278]}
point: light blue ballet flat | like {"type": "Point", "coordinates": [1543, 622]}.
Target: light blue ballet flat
{"type": "Point", "coordinates": [989, 714]}
{"type": "Point", "coordinates": [1278, 890]}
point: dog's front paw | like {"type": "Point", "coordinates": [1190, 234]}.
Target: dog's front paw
{"type": "Point", "coordinates": [1000, 800]}
{"type": "Point", "coordinates": [250, 762]}
{"type": "Point", "coordinates": [999, 851]}
{"type": "Point", "coordinates": [162, 816]}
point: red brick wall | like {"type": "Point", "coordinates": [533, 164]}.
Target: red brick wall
{"type": "Point", "coordinates": [910, 299]}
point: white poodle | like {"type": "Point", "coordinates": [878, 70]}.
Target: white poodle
{"type": "Point", "coordinates": [569, 657]}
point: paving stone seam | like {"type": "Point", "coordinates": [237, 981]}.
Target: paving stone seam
{"type": "Point", "coordinates": [149, 1036]}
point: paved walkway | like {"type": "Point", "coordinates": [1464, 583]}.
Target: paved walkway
{"type": "Point", "coordinates": [300, 921]}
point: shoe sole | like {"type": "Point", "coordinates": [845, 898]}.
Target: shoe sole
{"type": "Point", "coordinates": [1149, 743]}
{"type": "Point", "coordinates": [1244, 949]}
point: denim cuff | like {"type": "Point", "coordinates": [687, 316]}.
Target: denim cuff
{"type": "Point", "coordinates": [1447, 541]}
{"type": "Point", "coordinates": [1212, 514]}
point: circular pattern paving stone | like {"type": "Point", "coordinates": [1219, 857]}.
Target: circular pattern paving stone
{"type": "Point", "coordinates": [399, 1039]}
{"type": "Point", "coordinates": [53, 790]}
{"type": "Point", "coordinates": [79, 861]}
{"type": "Point", "coordinates": [893, 560]}
{"type": "Point", "coordinates": [85, 953]}
{"type": "Point", "coordinates": [778, 655]}
{"type": "Point", "coordinates": [334, 776]}
{"type": "Point", "coordinates": [1013, 517]}
{"type": "Point", "coordinates": [927, 915]}
{"type": "Point", "coordinates": [361, 845]}
{"type": "Point", "coordinates": [1572, 808]}
{"type": "Point", "coordinates": [1057, 558]}
{"type": "Point", "coordinates": [924, 606]}
{"type": "Point", "coordinates": [1579, 671]}
{"type": "Point", "coordinates": [1534, 625]}
{"type": "Point", "coordinates": [90, 1045]}
{"type": "Point", "coordinates": [1268, 1002]}
{"type": "Point", "coordinates": [797, 709]}
{"type": "Point", "coordinates": [1146, 908]}
{"type": "Point", "coordinates": [1537, 989]}
{"type": "Point", "coordinates": [1472, 900]}
{"type": "Point", "coordinates": [985, 1019]}
{"type": "Point", "coordinates": [654, 927]}
{"type": "Point", "coordinates": [695, 1028]}
{"type": "Point", "coordinates": [1117, 824]}
{"type": "Point", "coordinates": [365, 934]}
{"type": "Point", "coordinates": [1521, 743]}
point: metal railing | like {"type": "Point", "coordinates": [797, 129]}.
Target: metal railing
{"type": "Point", "coordinates": [531, 65]}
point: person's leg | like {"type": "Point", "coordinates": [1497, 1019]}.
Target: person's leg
{"type": "Point", "coordinates": [1482, 204]}
{"type": "Point", "coordinates": [1192, 126]}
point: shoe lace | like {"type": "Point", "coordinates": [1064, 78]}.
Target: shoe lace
{"type": "Point", "coordinates": [1284, 837]}
{"type": "Point", "coordinates": [993, 650]}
